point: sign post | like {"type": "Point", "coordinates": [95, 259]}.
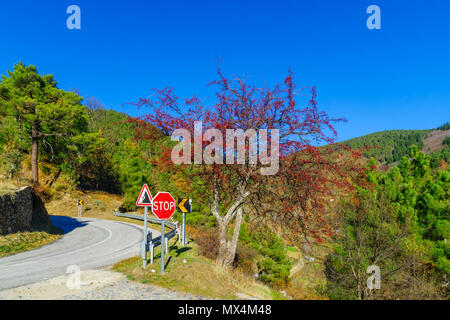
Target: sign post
{"type": "Point", "coordinates": [163, 242]}
{"type": "Point", "coordinates": [145, 200]}
{"type": "Point", "coordinates": [144, 263]}
{"type": "Point", "coordinates": [184, 206]}
{"type": "Point", "coordinates": [80, 207]}
{"type": "Point", "coordinates": [184, 229]}
{"type": "Point", "coordinates": [163, 207]}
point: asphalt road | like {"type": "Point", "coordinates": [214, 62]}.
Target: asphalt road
{"type": "Point", "coordinates": [87, 243]}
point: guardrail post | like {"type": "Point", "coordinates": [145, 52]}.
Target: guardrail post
{"type": "Point", "coordinates": [152, 252]}
{"type": "Point", "coordinates": [167, 246]}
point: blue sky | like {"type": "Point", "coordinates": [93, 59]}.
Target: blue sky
{"type": "Point", "coordinates": [393, 78]}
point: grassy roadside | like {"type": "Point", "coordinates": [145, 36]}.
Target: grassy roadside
{"type": "Point", "coordinates": [188, 272]}
{"type": "Point", "coordinates": [25, 241]}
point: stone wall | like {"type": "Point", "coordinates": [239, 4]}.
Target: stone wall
{"type": "Point", "coordinates": [23, 210]}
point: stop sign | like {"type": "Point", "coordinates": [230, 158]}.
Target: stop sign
{"type": "Point", "coordinates": [163, 205]}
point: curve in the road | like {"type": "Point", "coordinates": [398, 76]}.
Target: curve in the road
{"type": "Point", "coordinates": [88, 243]}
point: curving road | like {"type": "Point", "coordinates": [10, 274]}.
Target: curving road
{"type": "Point", "coordinates": [88, 243]}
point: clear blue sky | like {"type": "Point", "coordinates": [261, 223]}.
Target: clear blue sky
{"type": "Point", "coordinates": [393, 78]}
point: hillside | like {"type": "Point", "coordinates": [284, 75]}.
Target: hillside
{"type": "Point", "coordinates": [390, 146]}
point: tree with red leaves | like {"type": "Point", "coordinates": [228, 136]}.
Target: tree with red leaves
{"type": "Point", "coordinates": [295, 195]}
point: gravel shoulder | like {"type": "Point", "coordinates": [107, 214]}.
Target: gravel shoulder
{"type": "Point", "coordinates": [96, 284]}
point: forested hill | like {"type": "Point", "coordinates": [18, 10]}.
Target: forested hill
{"type": "Point", "coordinates": [390, 146]}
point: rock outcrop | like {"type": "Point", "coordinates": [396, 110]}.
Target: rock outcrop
{"type": "Point", "coordinates": [23, 210]}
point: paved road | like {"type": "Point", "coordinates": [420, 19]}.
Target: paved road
{"type": "Point", "coordinates": [88, 243]}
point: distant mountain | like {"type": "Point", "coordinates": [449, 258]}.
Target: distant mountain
{"type": "Point", "coordinates": [394, 144]}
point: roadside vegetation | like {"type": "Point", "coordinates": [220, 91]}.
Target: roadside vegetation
{"type": "Point", "coordinates": [190, 272]}
{"type": "Point", "coordinates": [25, 241]}
{"type": "Point", "coordinates": [400, 222]}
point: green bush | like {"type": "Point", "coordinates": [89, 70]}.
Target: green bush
{"type": "Point", "coordinates": [99, 205]}
{"type": "Point", "coordinates": [197, 219]}
{"type": "Point", "coordinates": [12, 161]}
{"type": "Point", "coordinates": [61, 187]}
{"type": "Point", "coordinates": [273, 263]}
{"type": "Point", "coordinates": [445, 126]}
{"type": "Point", "coordinates": [446, 141]}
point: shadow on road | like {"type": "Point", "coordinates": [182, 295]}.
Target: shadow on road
{"type": "Point", "coordinates": [67, 224]}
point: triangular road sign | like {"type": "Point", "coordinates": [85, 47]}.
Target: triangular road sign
{"type": "Point", "coordinates": [145, 198]}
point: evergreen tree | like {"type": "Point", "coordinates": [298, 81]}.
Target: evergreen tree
{"type": "Point", "coordinates": [44, 112]}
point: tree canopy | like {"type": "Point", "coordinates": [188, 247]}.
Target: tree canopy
{"type": "Point", "coordinates": [44, 113]}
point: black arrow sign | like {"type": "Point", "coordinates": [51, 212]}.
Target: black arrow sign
{"type": "Point", "coordinates": [184, 205]}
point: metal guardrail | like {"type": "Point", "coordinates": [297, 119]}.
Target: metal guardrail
{"type": "Point", "coordinates": [173, 225]}
{"type": "Point", "coordinates": [151, 243]}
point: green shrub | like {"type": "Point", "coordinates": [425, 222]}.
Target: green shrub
{"type": "Point", "coordinates": [12, 161]}
{"type": "Point", "coordinates": [273, 263]}
{"type": "Point", "coordinates": [445, 126]}
{"type": "Point", "coordinates": [45, 169]}
{"type": "Point", "coordinates": [446, 141]}
{"type": "Point", "coordinates": [99, 205]}
{"type": "Point", "coordinates": [61, 187]}
{"type": "Point", "coordinates": [198, 219]}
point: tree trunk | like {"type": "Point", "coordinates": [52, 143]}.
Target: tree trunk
{"type": "Point", "coordinates": [227, 249]}
{"type": "Point", "coordinates": [222, 237]}
{"type": "Point", "coordinates": [229, 258]}
{"type": "Point", "coordinates": [55, 177]}
{"type": "Point", "coordinates": [20, 136]}
{"type": "Point", "coordinates": [34, 154]}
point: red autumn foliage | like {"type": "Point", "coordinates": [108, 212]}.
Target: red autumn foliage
{"type": "Point", "coordinates": [309, 175]}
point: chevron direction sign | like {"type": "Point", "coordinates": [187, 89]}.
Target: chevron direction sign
{"type": "Point", "coordinates": [184, 205]}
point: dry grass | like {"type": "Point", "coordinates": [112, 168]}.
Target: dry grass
{"type": "Point", "coordinates": [99, 205]}
{"type": "Point", "coordinates": [199, 275]}
{"type": "Point", "coordinates": [292, 253]}
{"type": "Point", "coordinates": [433, 141]}
{"type": "Point", "coordinates": [310, 278]}
{"type": "Point", "coordinates": [20, 242]}
{"type": "Point", "coordinates": [7, 187]}
{"type": "Point", "coordinates": [66, 203]}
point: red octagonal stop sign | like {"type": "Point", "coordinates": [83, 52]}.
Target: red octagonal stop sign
{"type": "Point", "coordinates": [163, 205]}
